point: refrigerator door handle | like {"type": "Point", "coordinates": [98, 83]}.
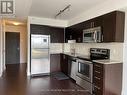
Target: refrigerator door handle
{"type": "Point", "coordinates": [49, 54]}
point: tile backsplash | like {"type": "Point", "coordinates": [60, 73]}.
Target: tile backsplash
{"type": "Point", "coordinates": [56, 48]}
{"type": "Point", "coordinates": [116, 49]}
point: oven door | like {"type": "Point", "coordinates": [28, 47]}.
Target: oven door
{"type": "Point", "coordinates": [85, 70]}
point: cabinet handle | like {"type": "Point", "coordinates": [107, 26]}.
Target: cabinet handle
{"type": "Point", "coordinates": [66, 40]}
{"type": "Point", "coordinates": [97, 78]}
{"type": "Point", "coordinates": [98, 66]}
{"type": "Point", "coordinates": [63, 56]}
{"type": "Point", "coordinates": [97, 87]}
{"type": "Point", "coordinates": [93, 24]}
{"type": "Point", "coordinates": [70, 37]}
{"type": "Point", "coordinates": [79, 39]}
{"type": "Point", "coordinates": [102, 38]}
{"type": "Point", "coordinates": [97, 72]}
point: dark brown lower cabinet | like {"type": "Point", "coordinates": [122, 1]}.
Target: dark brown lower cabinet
{"type": "Point", "coordinates": [107, 79]}
{"type": "Point", "coordinates": [64, 63]}
{"type": "Point", "coordinates": [55, 63]}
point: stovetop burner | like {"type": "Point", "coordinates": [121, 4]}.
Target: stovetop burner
{"type": "Point", "coordinates": [97, 54]}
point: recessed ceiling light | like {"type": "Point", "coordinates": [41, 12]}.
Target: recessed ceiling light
{"type": "Point", "coordinates": [15, 23]}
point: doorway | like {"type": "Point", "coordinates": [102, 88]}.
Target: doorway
{"type": "Point", "coordinates": [12, 47]}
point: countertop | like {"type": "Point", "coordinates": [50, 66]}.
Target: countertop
{"type": "Point", "coordinates": [105, 61]}
{"type": "Point", "coordinates": [71, 54]}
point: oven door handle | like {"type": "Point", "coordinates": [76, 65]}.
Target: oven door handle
{"type": "Point", "coordinates": [84, 61]}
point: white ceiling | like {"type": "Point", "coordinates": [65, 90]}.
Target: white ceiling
{"type": "Point", "coordinates": [49, 8]}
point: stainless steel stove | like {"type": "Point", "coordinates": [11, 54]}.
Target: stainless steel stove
{"type": "Point", "coordinates": [85, 67]}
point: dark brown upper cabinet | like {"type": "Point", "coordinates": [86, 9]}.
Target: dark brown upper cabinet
{"type": "Point", "coordinates": [56, 33]}
{"type": "Point", "coordinates": [113, 27]}
{"type": "Point", "coordinates": [68, 34]}
{"type": "Point", "coordinates": [96, 22]}
{"type": "Point", "coordinates": [88, 24]}
{"type": "Point", "coordinates": [75, 32]}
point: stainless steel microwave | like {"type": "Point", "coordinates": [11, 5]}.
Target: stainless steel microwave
{"type": "Point", "coordinates": [92, 35]}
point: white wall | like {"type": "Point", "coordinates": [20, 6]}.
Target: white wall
{"type": "Point", "coordinates": [2, 29]}
{"type": "Point", "coordinates": [0, 47]}
{"type": "Point", "coordinates": [125, 60]}
{"type": "Point", "coordinates": [23, 40]}
{"type": "Point", "coordinates": [28, 46]}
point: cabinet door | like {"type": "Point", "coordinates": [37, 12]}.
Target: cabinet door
{"type": "Point", "coordinates": [64, 63]}
{"type": "Point", "coordinates": [75, 32]}
{"type": "Point", "coordinates": [97, 22]}
{"type": "Point", "coordinates": [68, 34]}
{"type": "Point", "coordinates": [88, 24]}
{"type": "Point", "coordinates": [35, 29]}
{"type": "Point", "coordinates": [109, 22]}
{"type": "Point", "coordinates": [78, 35]}
{"type": "Point", "coordinates": [113, 27]}
{"type": "Point", "coordinates": [55, 63]}
{"type": "Point", "coordinates": [98, 79]}
{"type": "Point", "coordinates": [57, 35]}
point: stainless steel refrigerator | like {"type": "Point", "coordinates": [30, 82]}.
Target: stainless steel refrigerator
{"type": "Point", "coordinates": [40, 55]}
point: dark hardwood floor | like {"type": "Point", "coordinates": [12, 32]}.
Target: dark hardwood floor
{"type": "Point", "coordinates": [16, 82]}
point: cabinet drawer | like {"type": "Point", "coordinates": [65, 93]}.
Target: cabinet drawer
{"type": "Point", "coordinates": [98, 67]}
{"type": "Point", "coordinates": [98, 73]}
{"type": "Point", "coordinates": [97, 79]}
{"type": "Point", "coordinates": [99, 84]}
{"type": "Point", "coordinates": [97, 91]}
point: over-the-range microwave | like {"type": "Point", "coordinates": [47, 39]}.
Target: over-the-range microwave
{"type": "Point", "coordinates": [92, 35]}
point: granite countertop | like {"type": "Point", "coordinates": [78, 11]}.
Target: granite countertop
{"type": "Point", "coordinates": [105, 61]}
{"type": "Point", "coordinates": [70, 54]}
{"type": "Point", "coordinates": [76, 55]}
